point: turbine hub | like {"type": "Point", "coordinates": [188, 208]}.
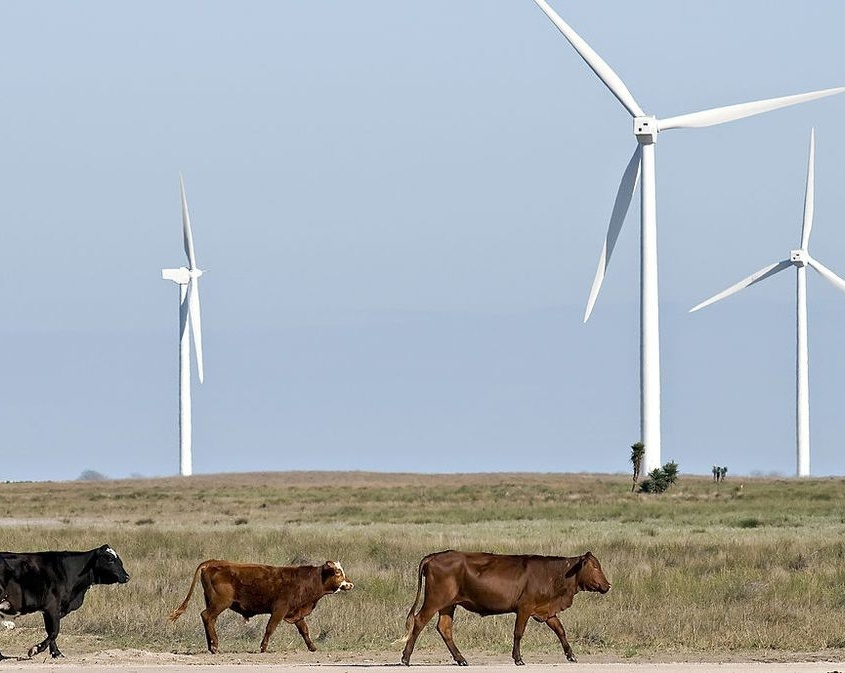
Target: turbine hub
{"type": "Point", "coordinates": [798, 257]}
{"type": "Point", "coordinates": [645, 128]}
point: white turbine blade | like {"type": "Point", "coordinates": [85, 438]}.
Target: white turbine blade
{"type": "Point", "coordinates": [186, 228]}
{"type": "Point", "coordinates": [196, 323]}
{"type": "Point", "coordinates": [827, 274]}
{"type": "Point", "coordinates": [762, 274]}
{"type": "Point", "coordinates": [596, 62]}
{"type": "Point", "coordinates": [809, 194]}
{"type": "Point", "coordinates": [732, 112]}
{"type": "Point", "coordinates": [617, 217]}
{"type": "Point", "coordinates": [183, 315]}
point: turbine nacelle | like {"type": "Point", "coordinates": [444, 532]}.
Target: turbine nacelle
{"type": "Point", "coordinates": [645, 128]}
{"type": "Point", "coordinates": [180, 276]}
{"type": "Point", "coordinates": [799, 257]}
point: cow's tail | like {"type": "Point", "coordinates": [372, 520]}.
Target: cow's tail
{"type": "Point", "coordinates": [409, 621]}
{"type": "Point", "coordinates": [173, 616]}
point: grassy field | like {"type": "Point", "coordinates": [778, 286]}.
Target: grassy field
{"type": "Point", "coordinates": [737, 569]}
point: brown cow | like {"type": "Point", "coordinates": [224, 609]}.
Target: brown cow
{"type": "Point", "coordinates": [494, 584]}
{"type": "Point", "coordinates": [284, 592]}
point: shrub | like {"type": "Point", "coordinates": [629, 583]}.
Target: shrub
{"type": "Point", "coordinates": [92, 475]}
{"type": "Point", "coordinates": [660, 478]}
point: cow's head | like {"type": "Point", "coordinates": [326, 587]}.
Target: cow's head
{"type": "Point", "coordinates": [107, 567]}
{"type": "Point", "coordinates": [334, 579]}
{"type": "Point", "coordinates": [588, 574]}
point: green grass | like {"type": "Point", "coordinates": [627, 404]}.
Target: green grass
{"type": "Point", "coordinates": [703, 568]}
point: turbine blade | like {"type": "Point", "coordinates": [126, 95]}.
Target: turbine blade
{"type": "Point", "coordinates": [827, 274]}
{"type": "Point", "coordinates": [605, 73]}
{"type": "Point", "coordinates": [762, 274]}
{"type": "Point", "coordinates": [730, 113]}
{"type": "Point", "coordinates": [183, 314]}
{"type": "Point", "coordinates": [196, 323]}
{"type": "Point", "coordinates": [620, 208]}
{"type": "Point", "coordinates": [186, 227]}
{"type": "Point", "coordinates": [809, 194]}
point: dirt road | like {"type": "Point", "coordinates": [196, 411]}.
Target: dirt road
{"type": "Point", "coordinates": [810, 667]}
{"type": "Point", "coordinates": [152, 662]}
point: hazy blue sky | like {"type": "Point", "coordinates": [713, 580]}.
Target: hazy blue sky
{"type": "Point", "coordinates": [400, 206]}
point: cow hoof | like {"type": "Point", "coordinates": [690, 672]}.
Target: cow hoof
{"type": "Point", "coordinates": [462, 662]}
{"type": "Point", "coordinates": [406, 661]}
{"type": "Point", "coordinates": [57, 655]}
{"type": "Point", "coordinates": [572, 658]}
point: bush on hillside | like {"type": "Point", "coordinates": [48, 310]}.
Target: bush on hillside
{"type": "Point", "coordinates": [661, 478]}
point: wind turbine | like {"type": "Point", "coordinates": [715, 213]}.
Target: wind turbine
{"type": "Point", "coordinates": [189, 315]}
{"type": "Point", "coordinates": [646, 128]}
{"type": "Point", "coordinates": [800, 259]}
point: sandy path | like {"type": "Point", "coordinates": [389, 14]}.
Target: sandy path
{"type": "Point", "coordinates": [754, 667]}
{"type": "Point", "coordinates": [158, 663]}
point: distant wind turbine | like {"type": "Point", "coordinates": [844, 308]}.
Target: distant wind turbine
{"type": "Point", "coordinates": [189, 315]}
{"type": "Point", "coordinates": [800, 259]}
{"type": "Point", "coordinates": [646, 129]}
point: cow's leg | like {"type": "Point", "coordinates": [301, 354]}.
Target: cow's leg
{"type": "Point", "coordinates": [272, 623]}
{"type": "Point", "coordinates": [518, 629]}
{"type": "Point", "coordinates": [444, 628]}
{"type": "Point", "coordinates": [209, 621]}
{"type": "Point", "coordinates": [420, 620]}
{"type": "Point", "coordinates": [302, 627]}
{"type": "Point", "coordinates": [51, 626]}
{"type": "Point", "coordinates": [555, 625]}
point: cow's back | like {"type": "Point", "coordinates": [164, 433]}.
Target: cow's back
{"type": "Point", "coordinates": [478, 581]}
{"type": "Point", "coordinates": [254, 588]}
{"type": "Point", "coordinates": [249, 588]}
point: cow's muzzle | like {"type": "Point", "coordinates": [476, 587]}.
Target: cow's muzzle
{"type": "Point", "coordinates": [346, 586]}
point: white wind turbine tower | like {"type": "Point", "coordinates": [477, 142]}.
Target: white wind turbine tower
{"type": "Point", "coordinates": [189, 316]}
{"type": "Point", "coordinates": [646, 129]}
{"type": "Point", "coordinates": [800, 259]}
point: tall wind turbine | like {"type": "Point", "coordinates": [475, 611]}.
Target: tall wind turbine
{"type": "Point", "coordinates": [189, 316]}
{"type": "Point", "coordinates": [646, 128]}
{"type": "Point", "coordinates": [800, 259]}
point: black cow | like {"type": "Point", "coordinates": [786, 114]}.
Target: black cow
{"type": "Point", "coordinates": [54, 583]}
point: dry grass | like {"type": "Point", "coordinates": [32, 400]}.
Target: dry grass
{"type": "Point", "coordinates": [701, 569]}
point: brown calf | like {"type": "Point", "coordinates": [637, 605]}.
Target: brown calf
{"type": "Point", "coordinates": [494, 584]}
{"type": "Point", "coordinates": [284, 592]}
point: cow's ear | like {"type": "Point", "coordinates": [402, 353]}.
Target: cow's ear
{"type": "Point", "coordinates": [576, 567]}
{"type": "Point", "coordinates": [326, 571]}
{"type": "Point", "coordinates": [589, 554]}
